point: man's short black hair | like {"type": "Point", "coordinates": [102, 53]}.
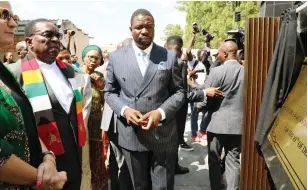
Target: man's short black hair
{"type": "Point", "coordinates": [174, 40]}
{"type": "Point", "coordinates": [29, 29]}
{"type": "Point", "coordinates": [140, 12]}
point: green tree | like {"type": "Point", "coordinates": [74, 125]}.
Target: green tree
{"type": "Point", "coordinates": [216, 17]}
{"type": "Point", "coordinates": [172, 30]}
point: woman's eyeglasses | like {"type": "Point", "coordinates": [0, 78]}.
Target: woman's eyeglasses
{"type": "Point", "coordinates": [95, 58]}
{"type": "Point", "coordinates": [6, 15]}
{"type": "Point", "coordinates": [50, 34]}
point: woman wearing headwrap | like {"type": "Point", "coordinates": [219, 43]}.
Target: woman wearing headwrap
{"type": "Point", "coordinates": [92, 56]}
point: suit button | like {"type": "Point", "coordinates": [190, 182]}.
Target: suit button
{"type": "Point", "coordinates": [136, 98]}
{"type": "Point", "coordinates": [149, 98]}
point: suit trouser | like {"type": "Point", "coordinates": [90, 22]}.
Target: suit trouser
{"type": "Point", "coordinates": [151, 170]}
{"type": "Point", "coordinates": [194, 120]}
{"type": "Point", "coordinates": [181, 121]}
{"type": "Point", "coordinates": [118, 171]}
{"type": "Point", "coordinates": [232, 146]}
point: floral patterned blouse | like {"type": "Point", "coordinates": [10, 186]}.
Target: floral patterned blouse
{"type": "Point", "coordinates": [13, 133]}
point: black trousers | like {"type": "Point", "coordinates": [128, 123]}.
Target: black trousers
{"type": "Point", "coordinates": [232, 146]}
{"type": "Point", "coordinates": [73, 185]}
{"type": "Point", "coordinates": [181, 121]}
{"type": "Point", "coordinates": [118, 170]}
{"type": "Point", "coordinates": [151, 170]}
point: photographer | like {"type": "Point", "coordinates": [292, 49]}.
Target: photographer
{"type": "Point", "coordinates": [195, 80]}
{"type": "Point", "coordinates": [207, 58]}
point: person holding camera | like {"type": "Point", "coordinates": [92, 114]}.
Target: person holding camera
{"type": "Point", "coordinates": [194, 67]}
{"type": "Point", "coordinates": [202, 66]}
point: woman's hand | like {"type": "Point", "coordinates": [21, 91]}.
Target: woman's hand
{"type": "Point", "coordinates": [60, 181]}
{"type": "Point", "coordinates": [47, 173]}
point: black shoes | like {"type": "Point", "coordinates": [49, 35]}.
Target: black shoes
{"type": "Point", "coordinates": [186, 147]}
{"type": "Point", "coordinates": [180, 170]}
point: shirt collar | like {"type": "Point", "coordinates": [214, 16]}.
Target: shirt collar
{"type": "Point", "coordinates": [138, 50]}
{"type": "Point", "coordinates": [42, 64]}
{"type": "Point", "coordinates": [230, 61]}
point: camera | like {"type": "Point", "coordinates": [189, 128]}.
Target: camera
{"type": "Point", "coordinates": [207, 36]}
{"type": "Point", "coordinates": [71, 32]}
{"type": "Point", "coordinates": [238, 36]}
{"type": "Point", "coordinates": [195, 27]}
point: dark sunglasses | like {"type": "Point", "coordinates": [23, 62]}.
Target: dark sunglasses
{"type": "Point", "coordinates": [6, 15]}
{"type": "Point", "coordinates": [50, 34]}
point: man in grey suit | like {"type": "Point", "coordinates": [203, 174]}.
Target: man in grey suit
{"type": "Point", "coordinates": [224, 117]}
{"type": "Point", "coordinates": [145, 89]}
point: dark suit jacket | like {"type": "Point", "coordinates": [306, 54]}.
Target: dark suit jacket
{"type": "Point", "coordinates": [161, 87]}
{"type": "Point", "coordinates": [225, 115]}
{"type": "Point", "coordinates": [70, 161]}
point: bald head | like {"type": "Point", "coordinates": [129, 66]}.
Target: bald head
{"type": "Point", "coordinates": [21, 48]}
{"type": "Point", "coordinates": [21, 45]}
{"type": "Point", "coordinates": [227, 50]}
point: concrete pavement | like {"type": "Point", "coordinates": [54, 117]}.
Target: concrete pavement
{"type": "Point", "coordinates": [196, 161]}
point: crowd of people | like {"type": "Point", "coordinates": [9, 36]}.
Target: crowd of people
{"type": "Point", "coordinates": [115, 121]}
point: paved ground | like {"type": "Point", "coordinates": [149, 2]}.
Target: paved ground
{"type": "Point", "coordinates": [196, 161]}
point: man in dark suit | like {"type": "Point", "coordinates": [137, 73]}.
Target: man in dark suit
{"type": "Point", "coordinates": [53, 96]}
{"type": "Point", "coordinates": [224, 117]}
{"type": "Point", "coordinates": [145, 89]}
{"type": "Point", "coordinates": [175, 44]}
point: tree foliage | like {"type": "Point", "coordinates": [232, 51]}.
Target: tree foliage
{"type": "Point", "coordinates": [217, 17]}
{"type": "Point", "coordinates": [172, 30]}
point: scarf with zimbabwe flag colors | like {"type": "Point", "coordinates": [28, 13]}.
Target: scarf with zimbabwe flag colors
{"type": "Point", "coordinates": [37, 93]}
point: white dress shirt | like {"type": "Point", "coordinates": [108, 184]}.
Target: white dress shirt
{"type": "Point", "coordinates": [143, 65]}
{"type": "Point", "coordinates": [201, 76]}
{"type": "Point", "coordinates": [143, 69]}
{"type": "Point", "coordinates": [58, 84]}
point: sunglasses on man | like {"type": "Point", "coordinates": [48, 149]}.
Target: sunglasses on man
{"type": "Point", "coordinates": [6, 16]}
{"type": "Point", "coordinates": [49, 34]}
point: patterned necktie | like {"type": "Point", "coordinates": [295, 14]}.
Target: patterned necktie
{"type": "Point", "coordinates": [143, 62]}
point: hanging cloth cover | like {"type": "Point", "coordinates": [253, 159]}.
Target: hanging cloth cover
{"type": "Point", "coordinates": [283, 72]}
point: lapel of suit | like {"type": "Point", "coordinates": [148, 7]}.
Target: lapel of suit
{"type": "Point", "coordinates": [151, 70]}
{"type": "Point", "coordinates": [133, 67]}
